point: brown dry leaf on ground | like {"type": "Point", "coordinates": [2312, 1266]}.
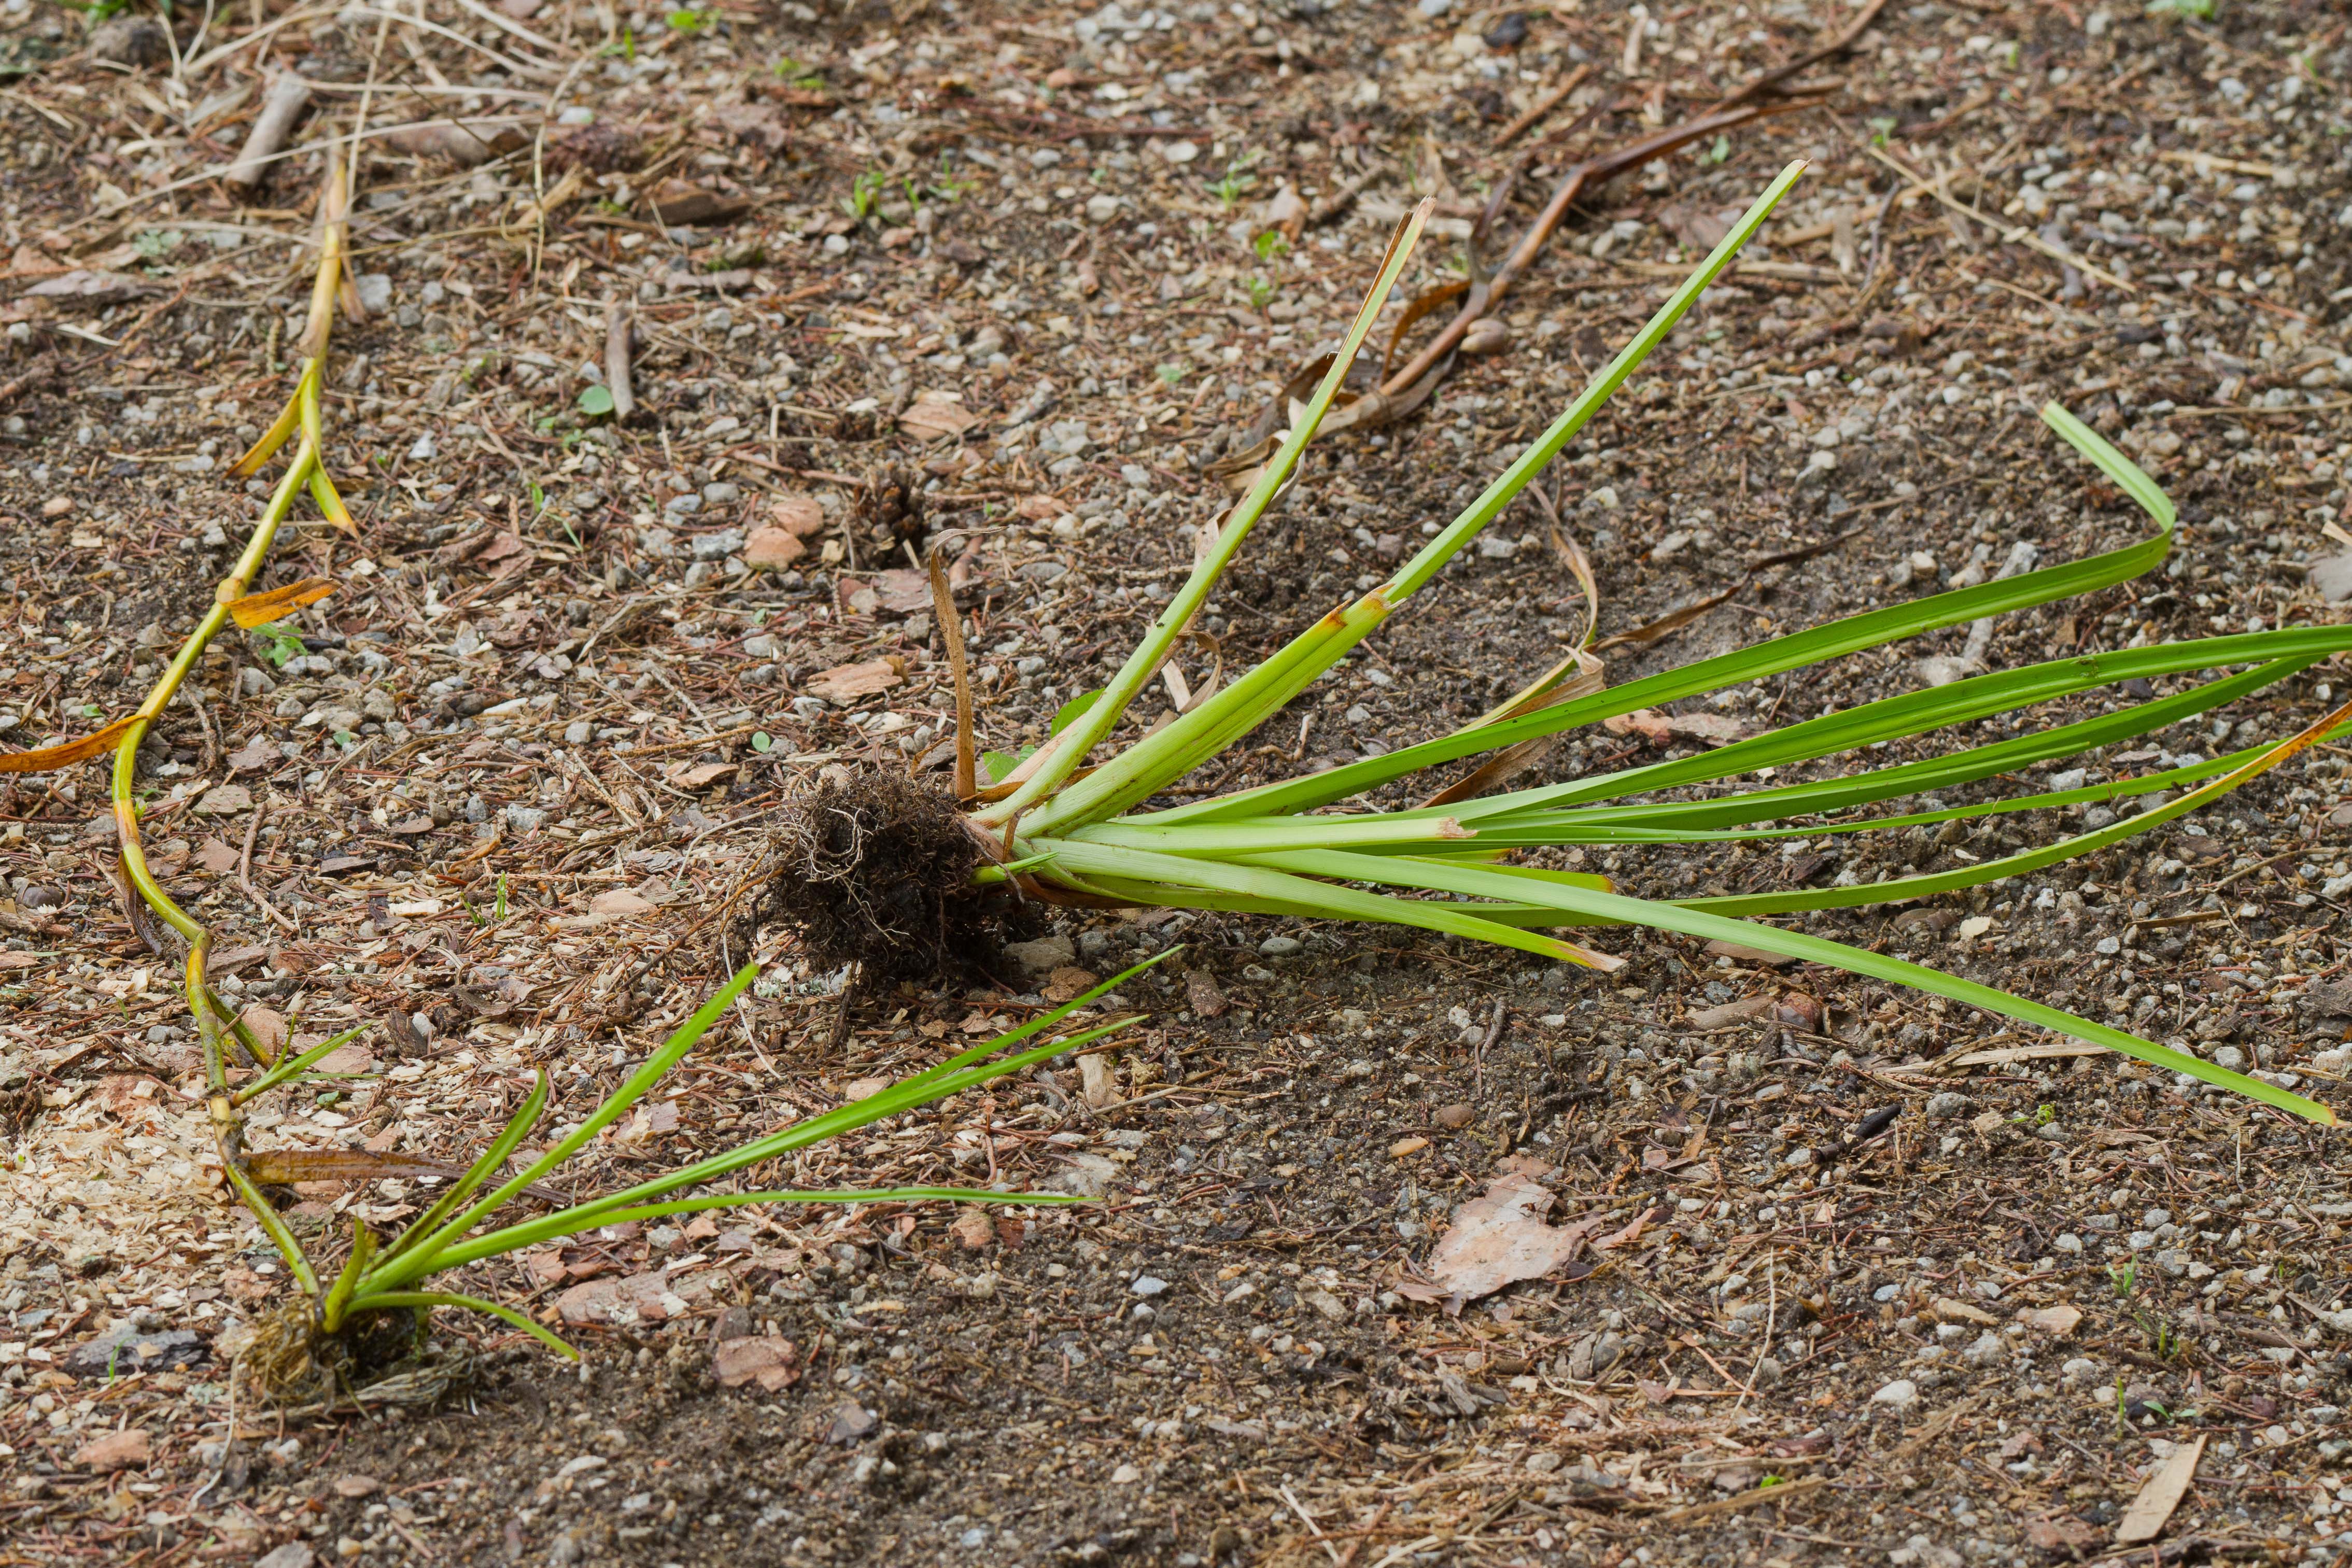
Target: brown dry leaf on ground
{"type": "Point", "coordinates": [1499, 1238]}
{"type": "Point", "coordinates": [847, 683]}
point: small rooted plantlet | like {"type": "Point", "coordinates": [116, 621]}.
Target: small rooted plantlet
{"type": "Point", "coordinates": [1065, 824]}
{"type": "Point", "coordinates": [360, 1330]}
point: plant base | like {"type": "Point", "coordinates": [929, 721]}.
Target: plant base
{"type": "Point", "coordinates": [379, 1358]}
{"type": "Point", "coordinates": [877, 871]}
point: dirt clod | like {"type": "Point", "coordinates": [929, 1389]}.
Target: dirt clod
{"type": "Point", "coordinates": [877, 871]}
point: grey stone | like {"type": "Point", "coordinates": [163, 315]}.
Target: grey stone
{"type": "Point", "coordinates": [852, 1422]}
{"type": "Point", "coordinates": [1148, 1285]}
{"type": "Point", "coordinates": [1043, 955]}
{"type": "Point", "coordinates": [137, 42]}
{"type": "Point", "coordinates": [1279, 947]}
{"type": "Point", "coordinates": [526, 819]}
{"type": "Point", "coordinates": [1943, 1107]}
{"type": "Point", "coordinates": [293, 1554]}
{"type": "Point", "coordinates": [2325, 999]}
{"type": "Point", "coordinates": [2333, 578]}
{"type": "Point", "coordinates": [1901, 1393]}
{"type": "Point", "coordinates": [126, 1348]}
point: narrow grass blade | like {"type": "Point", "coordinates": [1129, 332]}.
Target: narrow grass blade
{"type": "Point", "coordinates": [386, 1300]}
{"type": "Point", "coordinates": [863, 1113]}
{"type": "Point", "coordinates": [1426, 563]}
{"type": "Point", "coordinates": [1476, 881]}
{"type": "Point", "coordinates": [494, 1158]}
{"type": "Point", "coordinates": [1153, 763]}
{"type": "Point", "coordinates": [261, 609]}
{"type": "Point", "coordinates": [1103, 862]}
{"type": "Point", "coordinates": [966, 1070]}
{"type": "Point", "coordinates": [2026, 861]}
{"type": "Point", "coordinates": [287, 1066]}
{"type": "Point", "coordinates": [273, 1224]}
{"type": "Point", "coordinates": [338, 1294]}
{"type": "Point", "coordinates": [66, 753]}
{"type": "Point", "coordinates": [1913, 778]}
{"type": "Point", "coordinates": [1852, 635]}
{"type": "Point", "coordinates": [422, 1254]}
{"type": "Point", "coordinates": [288, 420]}
{"type": "Point", "coordinates": [1071, 747]}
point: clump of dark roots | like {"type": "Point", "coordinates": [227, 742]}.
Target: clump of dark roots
{"type": "Point", "coordinates": [877, 871]}
{"type": "Point", "coordinates": [376, 1358]}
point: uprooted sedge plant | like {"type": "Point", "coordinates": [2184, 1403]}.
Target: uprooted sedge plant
{"type": "Point", "coordinates": [1070, 827]}
{"type": "Point", "coordinates": [360, 1330]}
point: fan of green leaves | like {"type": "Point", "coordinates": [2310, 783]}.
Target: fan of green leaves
{"type": "Point", "coordinates": [1311, 848]}
{"type": "Point", "coordinates": [385, 1275]}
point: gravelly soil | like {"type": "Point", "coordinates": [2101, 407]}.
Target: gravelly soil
{"type": "Point", "coordinates": [511, 786]}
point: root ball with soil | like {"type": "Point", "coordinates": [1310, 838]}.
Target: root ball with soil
{"type": "Point", "coordinates": [379, 1357]}
{"type": "Point", "coordinates": [878, 870]}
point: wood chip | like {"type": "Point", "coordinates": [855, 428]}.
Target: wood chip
{"type": "Point", "coordinates": [2151, 1511]}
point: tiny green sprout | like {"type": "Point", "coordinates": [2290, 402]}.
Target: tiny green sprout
{"type": "Point", "coordinates": [91, 710]}
{"type": "Point", "coordinates": [800, 75]}
{"type": "Point", "coordinates": [692, 21]}
{"type": "Point", "coordinates": [762, 742]}
{"type": "Point", "coordinates": [1172, 372]}
{"type": "Point", "coordinates": [503, 895]}
{"type": "Point", "coordinates": [1231, 187]}
{"type": "Point", "coordinates": [1270, 245]}
{"type": "Point", "coordinates": [948, 185]}
{"type": "Point", "coordinates": [2045, 1116]}
{"type": "Point", "coordinates": [1717, 150]}
{"type": "Point", "coordinates": [155, 243]}
{"type": "Point", "coordinates": [626, 46]}
{"type": "Point", "coordinates": [1261, 293]}
{"type": "Point", "coordinates": [865, 192]}
{"type": "Point", "coordinates": [2121, 1277]}
{"type": "Point", "coordinates": [2194, 10]}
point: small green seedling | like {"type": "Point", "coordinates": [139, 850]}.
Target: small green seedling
{"type": "Point", "coordinates": [280, 644]}
{"type": "Point", "coordinates": [866, 193]}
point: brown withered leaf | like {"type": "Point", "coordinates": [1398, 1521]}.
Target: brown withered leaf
{"type": "Point", "coordinates": [1498, 1239]}
{"type": "Point", "coordinates": [284, 1168]}
{"type": "Point", "coordinates": [847, 683]}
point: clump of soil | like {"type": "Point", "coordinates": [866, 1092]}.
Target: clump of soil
{"type": "Point", "coordinates": [877, 871]}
